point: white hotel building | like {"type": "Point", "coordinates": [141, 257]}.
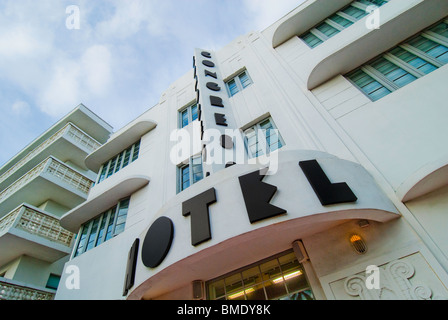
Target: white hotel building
{"type": "Point", "coordinates": [355, 117]}
{"type": "Point", "coordinates": [37, 187]}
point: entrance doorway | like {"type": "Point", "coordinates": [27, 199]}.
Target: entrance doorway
{"type": "Point", "coordinates": [281, 277]}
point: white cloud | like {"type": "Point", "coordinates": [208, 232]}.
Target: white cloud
{"type": "Point", "coordinates": [96, 69]}
{"type": "Point", "coordinates": [74, 80]}
{"type": "Point", "coordinates": [21, 108]}
{"type": "Point", "coordinates": [265, 12]}
{"type": "Point", "coordinates": [65, 68]}
{"type": "Point", "coordinates": [125, 55]}
{"type": "Point", "coordinates": [62, 91]}
{"type": "Point", "coordinates": [130, 17]}
{"type": "Point", "coordinates": [19, 41]}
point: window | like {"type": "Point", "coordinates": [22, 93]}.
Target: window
{"type": "Point", "coordinates": [262, 138]}
{"type": "Point", "coordinates": [190, 173]}
{"type": "Point", "coordinates": [338, 22]}
{"type": "Point", "coordinates": [102, 228]}
{"type": "Point", "coordinates": [238, 83]}
{"type": "Point", "coordinates": [277, 278]}
{"type": "Point", "coordinates": [53, 282]}
{"type": "Point", "coordinates": [404, 64]}
{"type": "Point", "coordinates": [188, 115]}
{"type": "Point", "coordinates": [119, 162]}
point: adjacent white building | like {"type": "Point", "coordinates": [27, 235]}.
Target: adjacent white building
{"type": "Point", "coordinates": [350, 120]}
{"type": "Point", "coordinates": [37, 186]}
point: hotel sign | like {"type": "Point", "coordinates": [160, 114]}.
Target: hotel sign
{"type": "Point", "coordinates": [215, 112]}
{"type": "Point", "coordinates": [257, 196]}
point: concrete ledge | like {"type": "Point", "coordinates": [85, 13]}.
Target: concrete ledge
{"type": "Point", "coordinates": [118, 143]}
{"type": "Point", "coordinates": [73, 219]}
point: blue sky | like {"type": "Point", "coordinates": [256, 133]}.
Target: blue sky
{"type": "Point", "coordinates": [125, 54]}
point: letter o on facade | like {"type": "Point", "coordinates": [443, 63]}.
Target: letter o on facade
{"type": "Point", "coordinates": [208, 63]}
{"type": "Point", "coordinates": [157, 242]}
{"type": "Point", "coordinates": [206, 54]}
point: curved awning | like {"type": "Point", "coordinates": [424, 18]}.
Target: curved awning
{"type": "Point", "coordinates": [118, 143]}
{"type": "Point", "coordinates": [354, 46]}
{"type": "Point", "coordinates": [302, 19]}
{"type": "Point", "coordinates": [209, 262]}
{"type": "Point", "coordinates": [73, 219]}
{"type": "Point", "coordinates": [429, 178]}
{"type": "Point", "coordinates": [340, 55]}
{"type": "Point", "coordinates": [233, 233]}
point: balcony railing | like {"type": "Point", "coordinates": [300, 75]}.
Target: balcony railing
{"type": "Point", "coordinates": [12, 290]}
{"type": "Point", "coordinates": [67, 174]}
{"type": "Point", "coordinates": [69, 130]}
{"type": "Point", "coordinates": [38, 223]}
{"type": "Point", "coordinates": [81, 137]}
{"type": "Point", "coordinates": [8, 221]}
{"type": "Point", "coordinates": [56, 169]}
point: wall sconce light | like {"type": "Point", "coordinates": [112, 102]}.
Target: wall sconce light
{"type": "Point", "coordinates": [363, 223]}
{"type": "Point", "coordinates": [358, 243]}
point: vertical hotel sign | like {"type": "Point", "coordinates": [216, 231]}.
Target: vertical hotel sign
{"type": "Point", "coordinates": [216, 116]}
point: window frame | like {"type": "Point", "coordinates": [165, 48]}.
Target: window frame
{"type": "Point", "coordinates": [189, 165]}
{"type": "Point", "coordinates": [190, 115]}
{"type": "Point", "coordinates": [105, 169]}
{"type": "Point", "coordinates": [106, 217]}
{"type": "Point", "coordinates": [52, 278]}
{"type": "Point", "coordinates": [263, 281]}
{"type": "Point", "coordinates": [322, 37]}
{"type": "Point", "coordinates": [263, 142]}
{"type": "Point", "coordinates": [239, 84]}
{"type": "Point", "coordinates": [389, 55]}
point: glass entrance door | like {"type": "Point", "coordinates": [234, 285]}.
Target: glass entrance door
{"type": "Point", "coordinates": [280, 277]}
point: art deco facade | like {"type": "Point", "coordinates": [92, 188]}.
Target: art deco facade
{"type": "Point", "coordinates": [349, 119]}
{"type": "Point", "coordinates": [39, 185]}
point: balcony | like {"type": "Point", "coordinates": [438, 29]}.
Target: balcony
{"type": "Point", "coordinates": [51, 179]}
{"type": "Point", "coordinates": [30, 231]}
{"type": "Point", "coordinates": [13, 290]}
{"type": "Point", "coordinates": [68, 143]}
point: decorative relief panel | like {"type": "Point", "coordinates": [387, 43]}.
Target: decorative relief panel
{"type": "Point", "coordinates": [408, 278]}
